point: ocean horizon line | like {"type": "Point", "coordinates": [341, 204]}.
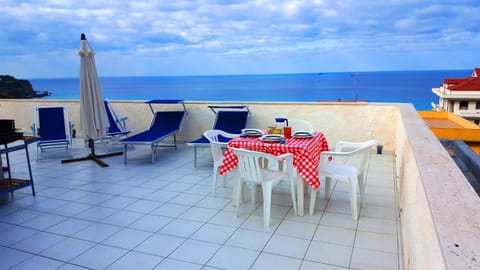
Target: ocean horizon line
{"type": "Point", "coordinates": [405, 86]}
{"type": "Point", "coordinates": [252, 74]}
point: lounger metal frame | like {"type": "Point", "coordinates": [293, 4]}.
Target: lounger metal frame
{"type": "Point", "coordinates": [219, 124]}
{"type": "Point", "coordinates": [164, 124]}
{"type": "Point", "coordinates": [55, 132]}
{"type": "Point", "coordinates": [118, 127]}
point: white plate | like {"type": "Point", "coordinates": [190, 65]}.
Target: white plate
{"type": "Point", "coordinates": [272, 138]}
{"type": "Point", "coordinates": [252, 132]}
{"type": "Point", "coordinates": [302, 134]}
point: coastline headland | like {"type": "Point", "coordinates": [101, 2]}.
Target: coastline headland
{"type": "Point", "coordinates": [10, 87]}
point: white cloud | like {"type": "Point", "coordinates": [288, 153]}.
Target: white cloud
{"type": "Point", "coordinates": [212, 29]}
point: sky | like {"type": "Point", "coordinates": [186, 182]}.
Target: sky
{"type": "Point", "coordinates": [40, 39]}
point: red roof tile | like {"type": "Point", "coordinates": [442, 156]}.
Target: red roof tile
{"type": "Point", "coordinates": [471, 83]}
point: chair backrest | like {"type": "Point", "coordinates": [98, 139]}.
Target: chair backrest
{"type": "Point", "coordinates": [250, 163]}
{"type": "Point", "coordinates": [51, 123]}
{"type": "Point", "coordinates": [231, 121]}
{"type": "Point", "coordinates": [300, 124]}
{"type": "Point", "coordinates": [167, 120]}
{"type": "Point", "coordinates": [116, 125]}
{"type": "Point", "coordinates": [216, 145]}
{"type": "Point", "coordinates": [357, 153]}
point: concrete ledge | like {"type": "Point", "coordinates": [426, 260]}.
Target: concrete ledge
{"type": "Point", "coordinates": [466, 160]}
{"type": "Point", "coordinates": [440, 212]}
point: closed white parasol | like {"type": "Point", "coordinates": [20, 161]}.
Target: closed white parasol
{"type": "Point", "coordinates": [93, 117]}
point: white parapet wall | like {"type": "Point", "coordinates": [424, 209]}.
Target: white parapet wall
{"type": "Point", "coordinates": [439, 211]}
{"type": "Point", "coordinates": [339, 121]}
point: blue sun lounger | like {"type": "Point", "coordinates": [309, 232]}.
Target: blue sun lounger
{"type": "Point", "coordinates": [118, 127]}
{"type": "Point", "coordinates": [164, 124]}
{"type": "Point", "coordinates": [53, 128]}
{"type": "Point", "coordinates": [231, 119]}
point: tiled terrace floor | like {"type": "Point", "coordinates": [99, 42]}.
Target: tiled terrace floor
{"type": "Point", "coordinates": [162, 216]}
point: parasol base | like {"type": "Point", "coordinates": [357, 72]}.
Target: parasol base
{"type": "Point", "coordinates": [93, 156]}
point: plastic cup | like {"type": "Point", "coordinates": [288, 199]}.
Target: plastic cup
{"type": "Point", "coordinates": [287, 132]}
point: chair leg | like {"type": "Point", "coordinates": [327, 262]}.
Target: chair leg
{"type": "Point", "coordinates": [194, 156]}
{"type": "Point", "coordinates": [328, 187]}
{"type": "Point", "coordinates": [361, 184]}
{"type": "Point", "coordinates": [215, 176]}
{"type": "Point", "coordinates": [313, 198]}
{"type": "Point", "coordinates": [353, 198]}
{"type": "Point", "coordinates": [238, 191]}
{"type": "Point", "coordinates": [294, 198]}
{"type": "Point", "coordinates": [235, 181]}
{"type": "Point", "coordinates": [267, 202]}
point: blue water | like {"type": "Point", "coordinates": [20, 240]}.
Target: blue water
{"type": "Point", "coordinates": [390, 86]}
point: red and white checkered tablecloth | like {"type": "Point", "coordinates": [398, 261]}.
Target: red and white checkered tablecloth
{"type": "Point", "coordinates": [306, 154]}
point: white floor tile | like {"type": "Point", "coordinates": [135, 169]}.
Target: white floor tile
{"type": "Point", "coordinates": [272, 261]}
{"type": "Point", "coordinates": [70, 226]}
{"type": "Point", "coordinates": [20, 216]}
{"type": "Point", "coordinates": [374, 211]}
{"type": "Point", "coordinates": [199, 214]}
{"type": "Point", "coordinates": [160, 245]}
{"type": "Point", "coordinates": [143, 206]}
{"type": "Point", "coordinates": [97, 232]}
{"type": "Point", "coordinates": [11, 257]}
{"type": "Point", "coordinates": [170, 210]}
{"type": "Point", "coordinates": [168, 264]}
{"type": "Point", "coordinates": [38, 242]}
{"type": "Point", "coordinates": [136, 260]}
{"type": "Point", "coordinates": [233, 258]}
{"type": "Point", "coordinates": [249, 239]}
{"type": "Point", "coordinates": [287, 246]}
{"type": "Point", "coordinates": [44, 221]}
{"type": "Point", "coordinates": [213, 233]}
{"type": "Point", "coordinates": [67, 249]}
{"type": "Point", "coordinates": [362, 259]}
{"type": "Point", "coordinates": [127, 238]}
{"type": "Point", "coordinates": [377, 241]}
{"type": "Point", "coordinates": [38, 262]}
{"type": "Point", "coordinates": [227, 218]}
{"type": "Point", "coordinates": [255, 223]}
{"type": "Point", "coordinates": [309, 265]}
{"type": "Point", "coordinates": [386, 226]}
{"type": "Point", "coordinates": [187, 199]}
{"type": "Point", "coordinates": [15, 234]}
{"type": "Point", "coordinates": [195, 251]}
{"type": "Point", "coordinates": [99, 257]}
{"type": "Point", "coordinates": [296, 229]}
{"type": "Point", "coordinates": [122, 218]}
{"type": "Point", "coordinates": [336, 255]}
{"type": "Point", "coordinates": [151, 223]}
{"type": "Point", "coordinates": [213, 202]}
{"type": "Point", "coordinates": [335, 235]}
{"type": "Point", "coordinates": [181, 227]}
{"type": "Point", "coordinates": [338, 220]}
{"type": "Point", "coordinates": [96, 213]}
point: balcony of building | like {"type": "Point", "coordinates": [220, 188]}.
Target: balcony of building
{"type": "Point", "coordinates": [420, 213]}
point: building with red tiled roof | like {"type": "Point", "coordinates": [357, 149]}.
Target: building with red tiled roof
{"type": "Point", "coordinates": [460, 96]}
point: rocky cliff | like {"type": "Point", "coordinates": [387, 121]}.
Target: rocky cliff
{"type": "Point", "coordinates": [15, 88]}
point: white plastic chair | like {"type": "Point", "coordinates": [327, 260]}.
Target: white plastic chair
{"type": "Point", "coordinates": [218, 149]}
{"type": "Point", "coordinates": [300, 124]}
{"type": "Point", "coordinates": [348, 163]}
{"type": "Point", "coordinates": [251, 168]}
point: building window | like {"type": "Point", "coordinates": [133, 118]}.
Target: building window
{"type": "Point", "coordinates": [478, 105]}
{"type": "Point", "coordinates": [463, 105]}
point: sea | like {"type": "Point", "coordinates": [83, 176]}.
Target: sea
{"type": "Point", "coordinates": [380, 86]}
